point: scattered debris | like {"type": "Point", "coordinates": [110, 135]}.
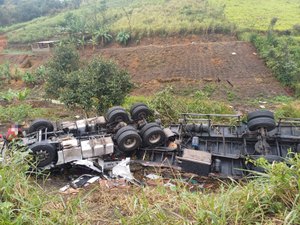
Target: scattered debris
{"type": "Point", "coordinates": [229, 83]}
{"type": "Point", "coordinates": [123, 170]}
{"type": "Point", "coordinates": [153, 176]}
{"type": "Point", "coordinates": [262, 102]}
{"type": "Point", "coordinates": [82, 181]}
{"type": "Point", "coordinates": [88, 164]}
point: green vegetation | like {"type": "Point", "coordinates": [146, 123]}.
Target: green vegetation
{"type": "Point", "coordinates": [169, 106]}
{"type": "Point", "coordinates": [272, 197]}
{"type": "Point", "coordinates": [138, 18]}
{"type": "Point", "coordinates": [23, 201]}
{"type": "Point", "coordinates": [17, 11]}
{"type": "Point", "coordinates": [14, 96]}
{"type": "Point", "coordinates": [289, 110]}
{"type": "Point", "coordinates": [18, 113]}
{"type": "Point", "coordinates": [101, 21]}
{"type": "Point", "coordinates": [256, 14]}
{"type": "Point", "coordinates": [100, 84]}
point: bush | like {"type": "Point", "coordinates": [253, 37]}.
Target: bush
{"type": "Point", "coordinates": [123, 38]}
{"type": "Point", "coordinates": [98, 85]}
{"type": "Point", "coordinates": [29, 78]}
{"type": "Point", "coordinates": [19, 113]}
{"type": "Point", "coordinates": [169, 106]}
{"type": "Point", "coordinates": [65, 60]}
{"type": "Point", "coordinates": [282, 56]}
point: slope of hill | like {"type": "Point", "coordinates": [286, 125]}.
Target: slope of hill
{"type": "Point", "coordinates": [160, 17]}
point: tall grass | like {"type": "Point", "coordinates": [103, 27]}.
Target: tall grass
{"type": "Point", "coordinates": [23, 201]}
{"type": "Point", "coordinates": [148, 18]}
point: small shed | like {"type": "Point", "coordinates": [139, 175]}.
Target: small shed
{"type": "Point", "coordinates": [43, 46]}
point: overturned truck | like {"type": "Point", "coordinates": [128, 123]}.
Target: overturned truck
{"type": "Point", "coordinates": [196, 143]}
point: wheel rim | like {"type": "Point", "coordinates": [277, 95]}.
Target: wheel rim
{"type": "Point", "coordinates": [42, 155]}
{"type": "Point", "coordinates": [130, 143]}
{"type": "Point", "coordinates": [154, 138]}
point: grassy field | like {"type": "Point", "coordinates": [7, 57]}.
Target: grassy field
{"type": "Point", "coordinates": [257, 14]}
{"type": "Point", "coordinates": [160, 17]}
{"type": "Point", "coordinates": [147, 18]}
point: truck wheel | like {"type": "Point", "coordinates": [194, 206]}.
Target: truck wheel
{"type": "Point", "coordinates": [140, 112]}
{"type": "Point", "coordinates": [261, 122]}
{"type": "Point", "coordinates": [117, 116]}
{"type": "Point", "coordinates": [122, 130]}
{"type": "Point", "coordinates": [148, 126]}
{"type": "Point", "coordinates": [129, 141]}
{"type": "Point", "coordinates": [260, 113]}
{"type": "Point", "coordinates": [40, 124]}
{"type": "Point", "coordinates": [154, 136]}
{"type": "Point", "coordinates": [135, 105]}
{"type": "Point", "coordinates": [110, 110]}
{"type": "Point", "coordinates": [44, 153]}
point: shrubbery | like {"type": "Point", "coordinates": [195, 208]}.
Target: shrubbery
{"type": "Point", "coordinates": [169, 106]}
{"type": "Point", "coordinates": [282, 56]}
{"type": "Point", "coordinates": [100, 84]}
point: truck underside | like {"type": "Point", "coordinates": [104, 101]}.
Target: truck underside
{"type": "Point", "coordinates": [195, 144]}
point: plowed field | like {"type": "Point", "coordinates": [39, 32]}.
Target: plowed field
{"type": "Point", "coordinates": [231, 66]}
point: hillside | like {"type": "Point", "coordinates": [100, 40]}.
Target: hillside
{"type": "Point", "coordinates": [162, 18]}
{"type": "Point", "coordinates": [198, 56]}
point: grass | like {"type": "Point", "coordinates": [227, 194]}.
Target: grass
{"type": "Point", "coordinates": [270, 198]}
{"type": "Point", "coordinates": [256, 14]}
{"type": "Point", "coordinates": [148, 18]}
{"type": "Point", "coordinates": [23, 201]}
{"type": "Point", "coordinates": [168, 17]}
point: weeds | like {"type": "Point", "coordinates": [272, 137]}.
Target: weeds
{"type": "Point", "coordinates": [23, 201]}
{"type": "Point", "coordinates": [271, 196]}
{"type": "Point", "coordinates": [19, 113]}
{"type": "Point", "coordinates": [170, 106]}
{"type": "Point", "coordinates": [12, 96]}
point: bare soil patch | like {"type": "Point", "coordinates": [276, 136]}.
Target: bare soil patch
{"type": "Point", "coordinates": [187, 63]}
{"type": "Point", "coordinates": [232, 66]}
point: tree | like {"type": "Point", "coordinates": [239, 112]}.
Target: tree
{"type": "Point", "coordinates": [65, 60]}
{"type": "Point", "coordinates": [99, 85]}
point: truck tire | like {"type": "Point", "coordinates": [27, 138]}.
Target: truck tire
{"type": "Point", "coordinates": [135, 105]}
{"type": "Point", "coordinates": [154, 136]}
{"type": "Point", "coordinates": [122, 130]}
{"type": "Point", "coordinates": [261, 122]}
{"type": "Point", "coordinates": [44, 153]}
{"type": "Point", "coordinates": [148, 126]}
{"type": "Point", "coordinates": [110, 110]}
{"type": "Point", "coordinates": [117, 116]}
{"type": "Point", "coordinates": [129, 141]}
{"type": "Point", "coordinates": [40, 124]}
{"type": "Point", "coordinates": [260, 113]}
{"type": "Point", "coordinates": [140, 112]}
